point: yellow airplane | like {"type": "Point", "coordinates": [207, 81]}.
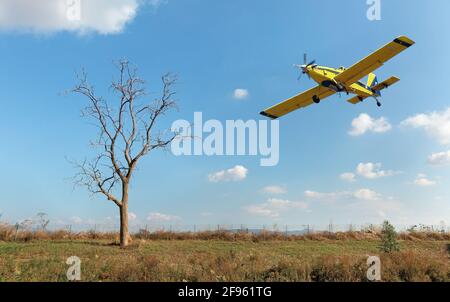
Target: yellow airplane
{"type": "Point", "coordinates": [347, 80]}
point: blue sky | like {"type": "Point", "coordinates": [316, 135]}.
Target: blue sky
{"type": "Point", "coordinates": [216, 47]}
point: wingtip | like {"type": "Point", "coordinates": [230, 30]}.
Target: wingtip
{"type": "Point", "coordinates": [263, 113]}
{"type": "Point", "coordinates": [404, 40]}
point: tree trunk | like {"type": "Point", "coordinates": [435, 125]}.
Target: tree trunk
{"type": "Point", "coordinates": [124, 235]}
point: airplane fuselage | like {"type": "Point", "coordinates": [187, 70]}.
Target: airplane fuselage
{"type": "Point", "coordinates": [325, 76]}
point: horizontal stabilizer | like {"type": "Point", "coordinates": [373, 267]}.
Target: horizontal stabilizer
{"type": "Point", "coordinates": [357, 99]}
{"type": "Point", "coordinates": [389, 82]}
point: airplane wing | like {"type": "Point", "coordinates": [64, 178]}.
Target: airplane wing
{"type": "Point", "coordinates": [302, 100]}
{"type": "Point", "coordinates": [374, 61]}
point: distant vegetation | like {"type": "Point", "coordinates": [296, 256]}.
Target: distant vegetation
{"type": "Point", "coordinates": [22, 233]}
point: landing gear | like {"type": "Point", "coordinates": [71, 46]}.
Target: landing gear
{"type": "Point", "coordinates": [316, 99]}
{"type": "Point", "coordinates": [378, 102]}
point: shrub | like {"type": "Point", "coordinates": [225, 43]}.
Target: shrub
{"type": "Point", "coordinates": [389, 242]}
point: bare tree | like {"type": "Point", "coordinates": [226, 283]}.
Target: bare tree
{"type": "Point", "coordinates": [127, 132]}
{"type": "Point", "coordinates": [43, 221]}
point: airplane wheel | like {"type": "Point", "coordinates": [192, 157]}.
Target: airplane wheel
{"type": "Point", "coordinates": [378, 104]}
{"type": "Point", "coordinates": [316, 99]}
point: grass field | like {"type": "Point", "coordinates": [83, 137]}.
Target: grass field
{"type": "Point", "coordinates": [219, 260]}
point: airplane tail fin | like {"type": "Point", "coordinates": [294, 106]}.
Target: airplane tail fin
{"type": "Point", "coordinates": [372, 80]}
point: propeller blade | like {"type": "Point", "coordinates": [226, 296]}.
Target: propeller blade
{"type": "Point", "coordinates": [312, 63]}
{"type": "Point", "coordinates": [304, 67]}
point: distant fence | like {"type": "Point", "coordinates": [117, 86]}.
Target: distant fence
{"type": "Point", "coordinates": [288, 229]}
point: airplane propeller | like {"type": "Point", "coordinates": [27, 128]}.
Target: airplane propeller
{"type": "Point", "coordinates": [305, 66]}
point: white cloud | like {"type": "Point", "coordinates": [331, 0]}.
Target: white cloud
{"type": "Point", "coordinates": [366, 194]}
{"type": "Point", "coordinates": [350, 177]}
{"type": "Point", "coordinates": [436, 124]}
{"type": "Point", "coordinates": [365, 123]}
{"type": "Point", "coordinates": [329, 196]}
{"type": "Point", "coordinates": [439, 159]}
{"type": "Point", "coordinates": [364, 201]}
{"type": "Point", "coordinates": [373, 171]}
{"type": "Point", "coordinates": [238, 173]}
{"type": "Point", "coordinates": [274, 207]}
{"type": "Point", "coordinates": [76, 220]}
{"type": "Point", "coordinates": [240, 94]}
{"type": "Point", "coordinates": [361, 194]}
{"type": "Point", "coordinates": [287, 204]}
{"type": "Point", "coordinates": [132, 216]}
{"type": "Point", "coordinates": [368, 171]}
{"type": "Point", "coordinates": [277, 190]}
{"type": "Point", "coordinates": [49, 16]}
{"type": "Point", "coordinates": [262, 210]}
{"type": "Point", "coordinates": [161, 218]}
{"type": "Point", "coordinates": [423, 181]}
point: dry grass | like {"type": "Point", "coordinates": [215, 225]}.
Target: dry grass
{"type": "Point", "coordinates": [307, 259]}
{"type": "Point", "coordinates": [220, 256]}
{"type": "Point", "coordinates": [9, 233]}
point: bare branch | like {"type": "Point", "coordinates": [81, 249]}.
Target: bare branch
{"type": "Point", "coordinates": [150, 114]}
{"type": "Point", "coordinates": [89, 175]}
